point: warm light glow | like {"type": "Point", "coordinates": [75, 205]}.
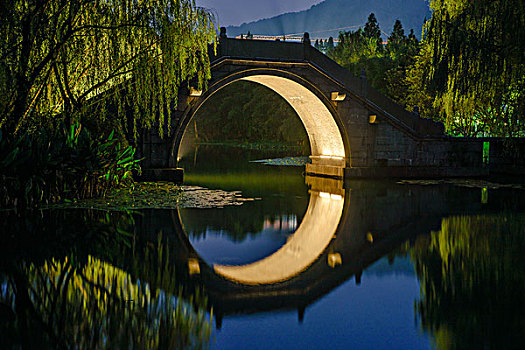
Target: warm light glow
{"type": "Point", "coordinates": [337, 96]}
{"type": "Point", "coordinates": [336, 197]}
{"type": "Point", "coordinates": [195, 93]}
{"type": "Point", "coordinates": [311, 239]}
{"type": "Point", "coordinates": [331, 157]}
{"type": "Point", "coordinates": [321, 127]}
{"type": "Point", "coordinates": [334, 259]}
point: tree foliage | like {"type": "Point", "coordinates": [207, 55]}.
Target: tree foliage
{"type": "Point", "coordinates": [248, 112]}
{"type": "Point", "coordinates": [65, 163]}
{"type": "Point", "coordinates": [326, 47]}
{"type": "Point", "coordinates": [472, 66]}
{"type": "Point", "coordinates": [62, 58]}
{"type": "Point", "coordinates": [401, 50]}
{"type": "Point", "coordinates": [398, 34]}
{"type": "Point", "coordinates": [63, 287]}
{"type": "Point", "coordinates": [385, 67]}
{"type": "Point", "coordinates": [372, 31]}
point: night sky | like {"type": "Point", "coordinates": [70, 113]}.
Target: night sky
{"type": "Point", "coordinates": [235, 12]}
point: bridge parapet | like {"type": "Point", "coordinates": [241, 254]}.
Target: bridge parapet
{"type": "Point", "coordinates": [358, 87]}
{"type": "Point", "coordinates": [260, 49]}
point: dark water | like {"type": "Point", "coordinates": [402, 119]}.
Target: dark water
{"type": "Point", "coordinates": [322, 264]}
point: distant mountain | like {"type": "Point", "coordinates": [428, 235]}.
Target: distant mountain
{"type": "Point", "coordinates": [335, 14]}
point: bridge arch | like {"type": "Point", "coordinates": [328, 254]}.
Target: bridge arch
{"type": "Point", "coordinates": [325, 129]}
{"type": "Point", "coordinates": [327, 205]}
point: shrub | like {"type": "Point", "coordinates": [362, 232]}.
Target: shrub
{"type": "Point", "coordinates": [63, 164]}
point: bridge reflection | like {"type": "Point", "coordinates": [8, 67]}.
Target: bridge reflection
{"type": "Point", "coordinates": [148, 257]}
{"type": "Point", "coordinates": [302, 248]}
{"type": "Point", "coordinates": [348, 226]}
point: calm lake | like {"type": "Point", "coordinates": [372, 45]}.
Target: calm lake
{"type": "Point", "coordinates": [301, 263]}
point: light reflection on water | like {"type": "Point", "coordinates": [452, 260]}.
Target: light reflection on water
{"type": "Point", "coordinates": [372, 306]}
{"type": "Point", "coordinates": [301, 249]}
{"type": "Point", "coordinates": [420, 266]}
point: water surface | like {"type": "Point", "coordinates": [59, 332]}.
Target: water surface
{"type": "Point", "coordinates": [374, 265]}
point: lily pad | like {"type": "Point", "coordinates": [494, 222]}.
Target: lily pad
{"type": "Point", "coordinates": [473, 183]}
{"type": "Point", "coordinates": [159, 195]}
{"type": "Point", "coordinates": [288, 161]}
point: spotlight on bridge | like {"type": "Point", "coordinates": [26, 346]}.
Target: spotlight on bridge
{"type": "Point", "coordinates": [372, 119]}
{"type": "Point", "coordinates": [195, 93]}
{"type": "Point", "coordinates": [337, 97]}
{"type": "Point", "coordinates": [334, 259]}
{"type": "Point", "coordinates": [324, 194]}
{"type": "Point", "coordinates": [335, 158]}
{"type": "Point", "coordinates": [336, 197]}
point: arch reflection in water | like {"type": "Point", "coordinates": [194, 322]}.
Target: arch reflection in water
{"type": "Point", "coordinates": [313, 235]}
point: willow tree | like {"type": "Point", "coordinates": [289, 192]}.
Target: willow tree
{"type": "Point", "coordinates": [62, 58]}
{"type": "Point", "coordinates": [475, 71]}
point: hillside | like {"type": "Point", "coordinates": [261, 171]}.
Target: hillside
{"type": "Point", "coordinates": [332, 14]}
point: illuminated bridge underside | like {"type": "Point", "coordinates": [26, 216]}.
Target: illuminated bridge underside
{"type": "Point", "coordinates": [309, 241]}
{"type": "Point", "coordinates": [323, 132]}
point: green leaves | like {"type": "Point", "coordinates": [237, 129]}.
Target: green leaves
{"type": "Point", "coordinates": [385, 67]}
{"type": "Point", "coordinates": [69, 164]}
{"type": "Point", "coordinates": [63, 58]}
{"type": "Point", "coordinates": [472, 61]}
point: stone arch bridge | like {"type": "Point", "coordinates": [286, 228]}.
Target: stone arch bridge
{"type": "Point", "coordinates": [354, 130]}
